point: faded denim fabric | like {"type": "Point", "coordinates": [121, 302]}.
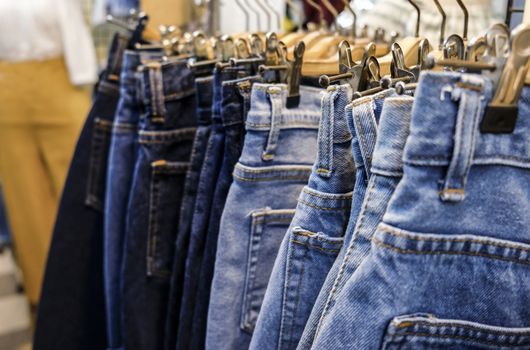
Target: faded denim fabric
{"type": "Point", "coordinates": [455, 238]}
{"type": "Point", "coordinates": [363, 117]}
{"type": "Point", "coordinates": [386, 172]}
{"type": "Point", "coordinates": [275, 164]}
{"type": "Point", "coordinates": [165, 137]}
{"type": "Point", "coordinates": [314, 239]}
{"type": "Point", "coordinates": [72, 304]}
{"type": "Point", "coordinates": [123, 146]}
{"type": "Point", "coordinates": [235, 103]}
{"type": "Point", "coordinates": [204, 91]}
{"type": "Point", "coordinates": [201, 213]}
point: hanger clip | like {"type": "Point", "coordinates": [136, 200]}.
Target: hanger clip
{"type": "Point", "coordinates": [295, 76]}
{"type": "Point", "coordinates": [501, 113]}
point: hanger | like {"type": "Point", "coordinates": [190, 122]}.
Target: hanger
{"type": "Point", "coordinates": [501, 113]}
{"type": "Point", "coordinates": [348, 7]}
{"type": "Point", "coordinates": [326, 46]}
{"type": "Point", "coordinates": [263, 8]}
{"type": "Point", "coordinates": [278, 68]}
{"type": "Point", "coordinates": [245, 13]}
{"type": "Point", "coordinates": [275, 13]}
{"type": "Point", "coordinates": [256, 12]}
{"type": "Point", "coordinates": [411, 47]}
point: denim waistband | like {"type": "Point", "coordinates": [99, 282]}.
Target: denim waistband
{"type": "Point", "coordinates": [163, 82]}
{"type": "Point", "coordinates": [219, 77]}
{"type": "Point", "coordinates": [269, 110]}
{"type": "Point", "coordinates": [363, 119]}
{"type": "Point", "coordinates": [393, 131]}
{"type": "Point", "coordinates": [233, 92]}
{"type": "Point", "coordinates": [445, 129]}
{"type": "Point", "coordinates": [333, 127]}
{"type": "Point", "coordinates": [325, 201]}
{"type": "Point", "coordinates": [204, 88]}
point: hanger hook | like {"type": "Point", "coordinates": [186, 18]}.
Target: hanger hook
{"type": "Point", "coordinates": [256, 12]}
{"type": "Point", "coordinates": [275, 13]}
{"type": "Point", "coordinates": [444, 18]}
{"type": "Point", "coordinates": [466, 17]}
{"type": "Point", "coordinates": [348, 6]}
{"type": "Point", "coordinates": [418, 11]}
{"type": "Point", "coordinates": [329, 6]}
{"type": "Point", "coordinates": [247, 15]}
{"type": "Point", "coordinates": [267, 14]}
{"type": "Point", "coordinates": [319, 9]}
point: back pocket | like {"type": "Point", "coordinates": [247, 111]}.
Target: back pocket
{"type": "Point", "coordinates": [426, 332]}
{"type": "Point", "coordinates": [309, 259]}
{"type": "Point", "coordinates": [167, 182]}
{"type": "Point", "coordinates": [97, 166]}
{"type": "Point", "coordinates": [268, 227]}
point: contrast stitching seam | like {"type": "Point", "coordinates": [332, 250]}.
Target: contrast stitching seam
{"type": "Point", "coordinates": [319, 207]}
{"type": "Point", "coordinates": [270, 178]}
{"type": "Point", "coordinates": [314, 246]}
{"type": "Point", "coordinates": [458, 337]}
{"type": "Point", "coordinates": [469, 327]}
{"type": "Point", "coordinates": [456, 240]}
{"type": "Point", "coordinates": [448, 252]}
{"type": "Point", "coordinates": [336, 197]}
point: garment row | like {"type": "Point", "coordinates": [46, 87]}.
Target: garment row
{"type": "Point", "coordinates": [201, 212]}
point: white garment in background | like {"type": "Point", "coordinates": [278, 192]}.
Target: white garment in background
{"type": "Point", "coordinates": [44, 29]}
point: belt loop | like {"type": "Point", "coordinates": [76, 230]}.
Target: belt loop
{"type": "Point", "coordinates": [325, 133]}
{"type": "Point", "coordinates": [365, 125]}
{"type": "Point", "coordinates": [156, 86]}
{"type": "Point", "coordinates": [468, 93]}
{"type": "Point", "coordinates": [275, 95]}
{"type": "Point", "coordinates": [245, 88]}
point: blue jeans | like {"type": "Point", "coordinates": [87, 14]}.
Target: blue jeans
{"type": "Point", "coordinates": [119, 175]}
{"type": "Point", "coordinates": [235, 103]}
{"type": "Point", "coordinates": [203, 203]}
{"type": "Point", "coordinates": [314, 239]}
{"type": "Point", "coordinates": [275, 164]}
{"type": "Point", "coordinates": [166, 132]}
{"type": "Point", "coordinates": [203, 87]}
{"type": "Point", "coordinates": [363, 117]}
{"type": "Point", "coordinates": [448, 266]}
{"type": "Point", "coordinates": [72, 305]}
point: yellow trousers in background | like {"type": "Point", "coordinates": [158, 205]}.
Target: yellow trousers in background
{"type": "Point", "coordinates": [41, 115]}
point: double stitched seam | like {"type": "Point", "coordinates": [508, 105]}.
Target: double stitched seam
{"type": "Point", "coordinates": [152, 230]}
{"type": "Point", "coordinates": [315, 247]}
{"type": "Point", "coordinates": [347, 257]}
{"type": "Point", "coordinates": [458, 337]}
{"type": "Point", "coordinates": [319, 238]}
{"type": "Point", "coordinates": [297, 298]}
{"type": "Point", "coordinates": [455, 240]}
{"type": "Point", "coordinates": [468, 327]}
{"type": "Point", "coordinates": [257, 220]}
{"type": "Point", "coordinates": [100, 135]}
{"type": "Point", "coordinates": [301, 178]}
{"type": "Point", "coordinates": [294, 124]}
{"type": "Point", "coordinates": [447, 252]}
{"type": "Point", "coordinates": [477, 158]}
{"type": "Point", "coordinates": [324, 124]}
{"type": "Point", "coordinates": [333, 198]}
{"type": "Point", "coordinates": [319, 207]}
